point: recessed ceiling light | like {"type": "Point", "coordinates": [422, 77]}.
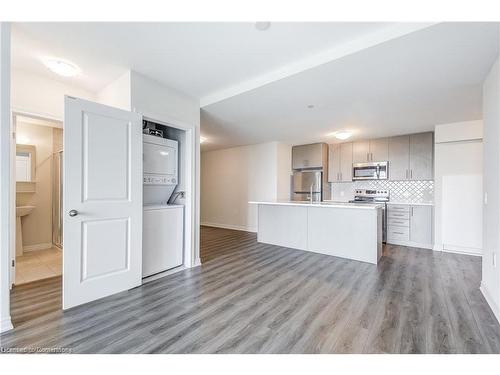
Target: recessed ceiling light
{"type": "Point", "coordinates": [262, 26]}
{"type": "Point", "coordinates": [203, 139]}
{"type": "Point", "coordinates": [63, 68]}
{"type": "Point", "coordinates": [342, 135]}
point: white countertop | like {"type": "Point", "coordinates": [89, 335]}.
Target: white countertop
{"type": "Point", "coordinates": [396, 202]}
{"type": "Point", "coordinates": [412, 203]}
{"type": "Point", "coordinates": [325, 204]}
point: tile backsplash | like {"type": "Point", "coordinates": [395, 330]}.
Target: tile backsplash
{"type": "Point", "coordinates": [406, 191]}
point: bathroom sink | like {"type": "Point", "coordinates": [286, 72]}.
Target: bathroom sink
{"type": "Point", "coordinates": [24, 210]}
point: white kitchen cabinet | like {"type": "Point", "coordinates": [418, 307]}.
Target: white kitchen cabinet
{"type": "Point", "coordinates": [411, 157]}
{"type": "Point", "coordinates": [421, 156]}
{"type": "Point", "coordinates": [346, 162]}
{"type": "Point", "coordinates": [309, 156]}
{"type": "Point", "coordinates": [340, 162]}
{"type": "Point", "coordinates": [410, 225]}
{"type": "Point", "coordinates": [334, 162]}
{"type": "Point", "coordinates": [361, 152]}
{"type": "Point", "coordinates": [399, 157]}
{"type": "Point", "coordinates": [379, 149]}
{"type": "Point", "coordinates": [371, 150]}
{"type": "Point", "coordinates": [421, 224]}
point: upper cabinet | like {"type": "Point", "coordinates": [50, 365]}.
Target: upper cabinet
{"type": "Point", "coordinates": [399, 157]}
{"type": "Point", "coordinates": [340, 162]}
{"type": "Point", "coordinates": [371, 150]}
{"type": "Point", "coordinates": [361, 152]}
{"type": "Point", "coordinates": [421, 156]}
{"type": "Point", "coordinates": [310, 156]}
{"type": "Point", "coordinates": [379, 149]}
{"type": "Point", "coordinates": [411, 157]}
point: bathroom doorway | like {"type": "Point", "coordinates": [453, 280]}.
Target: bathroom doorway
{"type": "Point", "coordinates": [38, 196]}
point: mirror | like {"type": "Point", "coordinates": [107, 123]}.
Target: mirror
{"type": "Point", "coordinates": [25, 167]}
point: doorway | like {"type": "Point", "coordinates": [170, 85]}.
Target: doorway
{"type": "Point", "coordinates": [38, 198]}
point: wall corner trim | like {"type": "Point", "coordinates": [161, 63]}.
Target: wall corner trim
{"type": "Point", "coordinates": [490, 301]}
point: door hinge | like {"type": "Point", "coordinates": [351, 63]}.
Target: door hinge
{"type": "Point", "coordinates": [13, 263]}
{"type": "Point", "coordinates": [14, 135]}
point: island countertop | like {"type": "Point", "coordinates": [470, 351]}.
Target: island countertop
{"type": "Point", "coordinates": [346, 230]}
{"type": "Point", "coordinates": [325, 204]}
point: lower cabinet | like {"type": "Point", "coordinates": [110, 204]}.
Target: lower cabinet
{"type": "Point", "coordinates": [410, 225]}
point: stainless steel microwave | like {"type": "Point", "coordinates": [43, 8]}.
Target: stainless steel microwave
{"type": "Point", "coordinates": [370, 171]}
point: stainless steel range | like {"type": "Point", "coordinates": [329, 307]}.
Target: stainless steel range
{"type": "Point", "coordinates": [374, 196]}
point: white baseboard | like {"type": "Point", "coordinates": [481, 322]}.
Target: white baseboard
{"type": "Point", "coordinates": [197, 262]}
{"type": "Point", "coordinates": [464, 252]}
{"type": "Point", "coordinates": [159, 275]}
{"type": "Point", "coordinates": [6, 325]}
{"type": "Point", "coordinates": [229, 226]}
{"type": "Point", "coordinates": [38, 246]}
{"type": "Point", "coordinates": [411, 244]}
{"type": "Point", "coordinates": [489, 299]}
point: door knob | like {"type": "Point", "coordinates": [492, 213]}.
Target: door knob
{"type": "Point", "coordinates": [73, 213]}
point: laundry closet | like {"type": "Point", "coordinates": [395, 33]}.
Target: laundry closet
{"type": "Point", "coordinates": [163, 215]}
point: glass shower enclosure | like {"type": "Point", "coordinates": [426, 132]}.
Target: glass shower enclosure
{"type": "Point", "coordinates": [57, 207]}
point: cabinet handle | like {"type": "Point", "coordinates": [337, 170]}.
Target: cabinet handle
{"type": "Point", "coordinates": [367, 156]}
{"type": "Point", "coordinates": [412, 211]}
{"type": "Point", "coordinates": [411, 173]}
{"type": "Point", "coordinates": [398, 232]}
{"type": "Point", "coordinates": [406, 174]}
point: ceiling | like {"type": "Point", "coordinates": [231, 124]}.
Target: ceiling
{"type": "Point", "coordinates": [375, 79]}
{"type": "Point", "coordinates": [197, 58]}
{"type": "Point", "coordinates": [405, 85]}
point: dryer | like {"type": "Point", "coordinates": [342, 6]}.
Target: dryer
{"type": "Point", "coordinates": [160, 169]}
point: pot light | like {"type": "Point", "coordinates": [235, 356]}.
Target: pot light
{"type": "Point", "coordinates": [342, 135]}
{"type": "Point", "coordinates": [262, 26]}
{"type": "Point", "coordinates": [63, 68]}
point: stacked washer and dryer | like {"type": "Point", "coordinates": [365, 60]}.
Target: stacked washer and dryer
{"type": "Point", "coordinates": [163, 223]}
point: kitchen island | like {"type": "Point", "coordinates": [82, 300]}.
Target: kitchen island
{"type": "Point", "coordinates": [346, 230]}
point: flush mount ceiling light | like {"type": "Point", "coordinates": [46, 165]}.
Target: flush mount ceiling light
{"type": "Point", "coordinates": [342, 135]}
{"type": "Point", "coordinates": [63, 68]}
{"type": "Point", "coordinates": [262, 26]}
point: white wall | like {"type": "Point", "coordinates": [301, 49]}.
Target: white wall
{"type": "Point", "coordinates": [5, 193]}
{"type": "Point", "coordinates": [284, 170]}
{"type": "Point", "coordinates": [490, 284]}
{"type": "Point", "coordinates": [232, 177]}
{"type": "Point", "coordinates": [458, 180]}
{"type": "Point", "coordinates": [33, 94]}
{"type": "Point", "coordinates": [164, 105]}
{"type": "Point", "coordinates": [117, 93]}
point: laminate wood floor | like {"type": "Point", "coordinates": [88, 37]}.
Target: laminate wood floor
{"type": "Point", "coordinates": [256, 298]}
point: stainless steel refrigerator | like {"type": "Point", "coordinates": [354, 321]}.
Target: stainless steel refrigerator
{"type": "Point", "coordinates": [307, 184]}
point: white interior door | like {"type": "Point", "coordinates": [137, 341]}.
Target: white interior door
{"type": "Point", "coordinates": [102, 201]}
